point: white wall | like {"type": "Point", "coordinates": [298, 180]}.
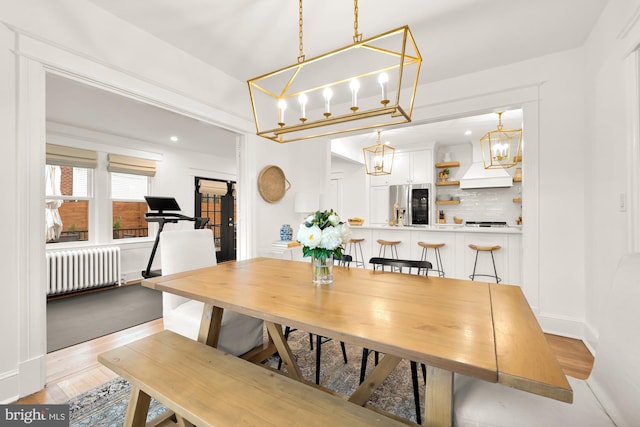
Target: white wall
{"type": "Point", "coordinates": [354, 196]}
{"type": "Point", "coordinates": [9, 174]}
{"type": "Point", "coordinates": [608, 95]}
{"type": "Point", "coordinates": [306, 167]}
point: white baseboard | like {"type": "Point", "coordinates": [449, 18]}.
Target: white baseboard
{"type": "Point", "coordinates": [9, 386]}
{"type": "Point", "coordinates": [566, 327]}
{"type": "Point", "coordinates": [33, 375]}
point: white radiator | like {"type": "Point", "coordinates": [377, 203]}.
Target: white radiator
{"type": "Point", "coordinates": [77, 269]}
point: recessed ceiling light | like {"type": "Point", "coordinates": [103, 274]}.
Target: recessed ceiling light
{"type": "Point", "coordinates": [174, 138]}
{"type": "Point", "coordinates": [468, 132]}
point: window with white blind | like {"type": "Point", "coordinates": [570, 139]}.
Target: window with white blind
{"type": "Point", "coordinates": [68, 195]}
{"type": "Point", "coordinates": [78, 187]}
{"type": "Point", "coordinates": [67, 201]}
{"type": "Point", "coordinates": [128, 205]}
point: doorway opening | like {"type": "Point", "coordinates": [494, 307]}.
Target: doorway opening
{"type": "Point", "coordinates": [216, 200]}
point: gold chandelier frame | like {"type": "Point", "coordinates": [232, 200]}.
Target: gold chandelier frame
{"type": "Point", "coordinates": [378, 158]}
{"type": "Point", "coordinates": [497, 147]}
{"type": "Point", "coordinates": [276, 91]}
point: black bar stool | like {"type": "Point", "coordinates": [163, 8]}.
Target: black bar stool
{"type": "Point", "coordinates": [489, 249]}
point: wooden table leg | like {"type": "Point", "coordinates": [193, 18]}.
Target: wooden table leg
{"type": "Point", "coordinates": [210, 325]}
{"type": "Point", "coordinates": [375, 378]}
{"type": "Point", "coordinates": [438, 402]}
{"type": "Point", "coordinates": [284, 351]}
{"type": "Point", "coordinates": [138, 408]}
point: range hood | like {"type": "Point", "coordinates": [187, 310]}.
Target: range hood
{"type": "Point", "coordinates": [479, 177]}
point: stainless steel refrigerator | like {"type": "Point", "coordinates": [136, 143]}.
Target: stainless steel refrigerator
{"type": "Point", "coordinates": [410, 204]}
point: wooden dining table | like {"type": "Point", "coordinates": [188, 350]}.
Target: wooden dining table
{"type": "Point", "coordinates": [483, 330]}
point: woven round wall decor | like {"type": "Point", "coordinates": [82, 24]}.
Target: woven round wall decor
{"type": "Point", "coordinates": [272, 184]}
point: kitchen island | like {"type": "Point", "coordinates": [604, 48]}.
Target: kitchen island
{"type": "Point", "coordinates": [457, 257]}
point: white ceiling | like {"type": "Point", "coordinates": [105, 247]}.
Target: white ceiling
{"type": "Point", "coordinates": [247, 38]}
{"type": "Point", "coordinates": [87, 107]}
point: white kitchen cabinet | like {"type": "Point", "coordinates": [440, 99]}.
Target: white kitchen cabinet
{"type": "Point", "coordinates": [412, 167]}
{"type": "Point", "coordinates": [401, 172]}
{"type": "Point", "coordinates": [379, 204]}
{"type": "Point", "coordinates": [422, 167]}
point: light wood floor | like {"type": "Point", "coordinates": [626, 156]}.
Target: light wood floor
{"type": "Point", "coordinates": [74, 370]}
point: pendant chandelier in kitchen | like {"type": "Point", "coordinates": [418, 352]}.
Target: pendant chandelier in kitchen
{"type": "Point", "coordinates": [368, 84]}
{"type": "Point", "coordinates": [378, 159]}
{"type": "Point", "coordinates": [501, 148]}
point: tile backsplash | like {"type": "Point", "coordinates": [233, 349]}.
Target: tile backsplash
{"type": "Point", "coordinates": [482, 204]}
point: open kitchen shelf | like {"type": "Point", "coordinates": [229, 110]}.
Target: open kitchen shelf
{"type": "Point", "coordinates": [441, 183]}
{"type": "Point", "coordinates": [448, 164]}
{"type": "Point", "coordinates": [447, 202]}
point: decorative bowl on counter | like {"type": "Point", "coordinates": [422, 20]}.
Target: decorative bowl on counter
{"type": "Point", "coordinates": [356, 221]}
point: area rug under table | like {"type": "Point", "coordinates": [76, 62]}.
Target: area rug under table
{"type": "Point", "coordinates": [106, 405]}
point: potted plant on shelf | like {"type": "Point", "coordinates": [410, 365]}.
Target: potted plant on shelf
{"type": "Point", "coordinates": [444, 174]}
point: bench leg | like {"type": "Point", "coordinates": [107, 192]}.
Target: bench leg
{"type": "Point", "coordinates": [138, 408]}
{"type": "Point", "coordinates": [183, 423]}
{"type": "Point", "coordinates": [438, 402]}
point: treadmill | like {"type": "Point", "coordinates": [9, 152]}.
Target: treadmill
{"type": "Point", "coordinates": [166, 209]}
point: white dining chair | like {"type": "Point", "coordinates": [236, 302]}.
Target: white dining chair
{"type": "Point", "coordinates": [182, 250]}
{"type": "Point", "coordinates": [609, 397]}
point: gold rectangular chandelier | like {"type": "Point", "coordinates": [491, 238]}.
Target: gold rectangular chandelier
{"type": "Point", "coordinates": [368, 84]}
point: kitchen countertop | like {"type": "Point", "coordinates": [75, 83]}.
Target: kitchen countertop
{"type": "Point", "coordinates": [459, 228]}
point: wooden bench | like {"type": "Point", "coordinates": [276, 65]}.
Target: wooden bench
{"type": "Point", "coordinates": [206, 387]}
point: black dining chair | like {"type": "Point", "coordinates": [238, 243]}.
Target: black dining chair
{"type": "Point", "coordinates": [319, 341]}
{"type": "Point", "coordinates": [398, 265]}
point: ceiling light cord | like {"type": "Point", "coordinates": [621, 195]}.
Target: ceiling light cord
{"type": "Point", "coordinates": [357, 37]}
{"type": "Point", "coordinates": [301, 56]}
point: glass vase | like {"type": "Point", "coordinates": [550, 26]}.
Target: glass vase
{"type": "Point", "coordinates": [322, 270]}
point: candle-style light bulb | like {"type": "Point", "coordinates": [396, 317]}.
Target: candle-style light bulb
{"type": "Point", "coordinates": [383, 79]}
{"type": "Point", "coordinates": [327, 93]}
{"type": "Point", "coordinates": [282, 105]}
{"type": "Point", "coordinates": [354, 86]}
{"type": "Point", "coordinates": [378, 163]}
{"type": "Point", "coordinates": [500, 150]}
{"type": "Point", "coordinates": [302, 99]}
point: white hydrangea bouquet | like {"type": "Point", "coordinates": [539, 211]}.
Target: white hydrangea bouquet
{"type": "Point", "coordinates": [322, 236]}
